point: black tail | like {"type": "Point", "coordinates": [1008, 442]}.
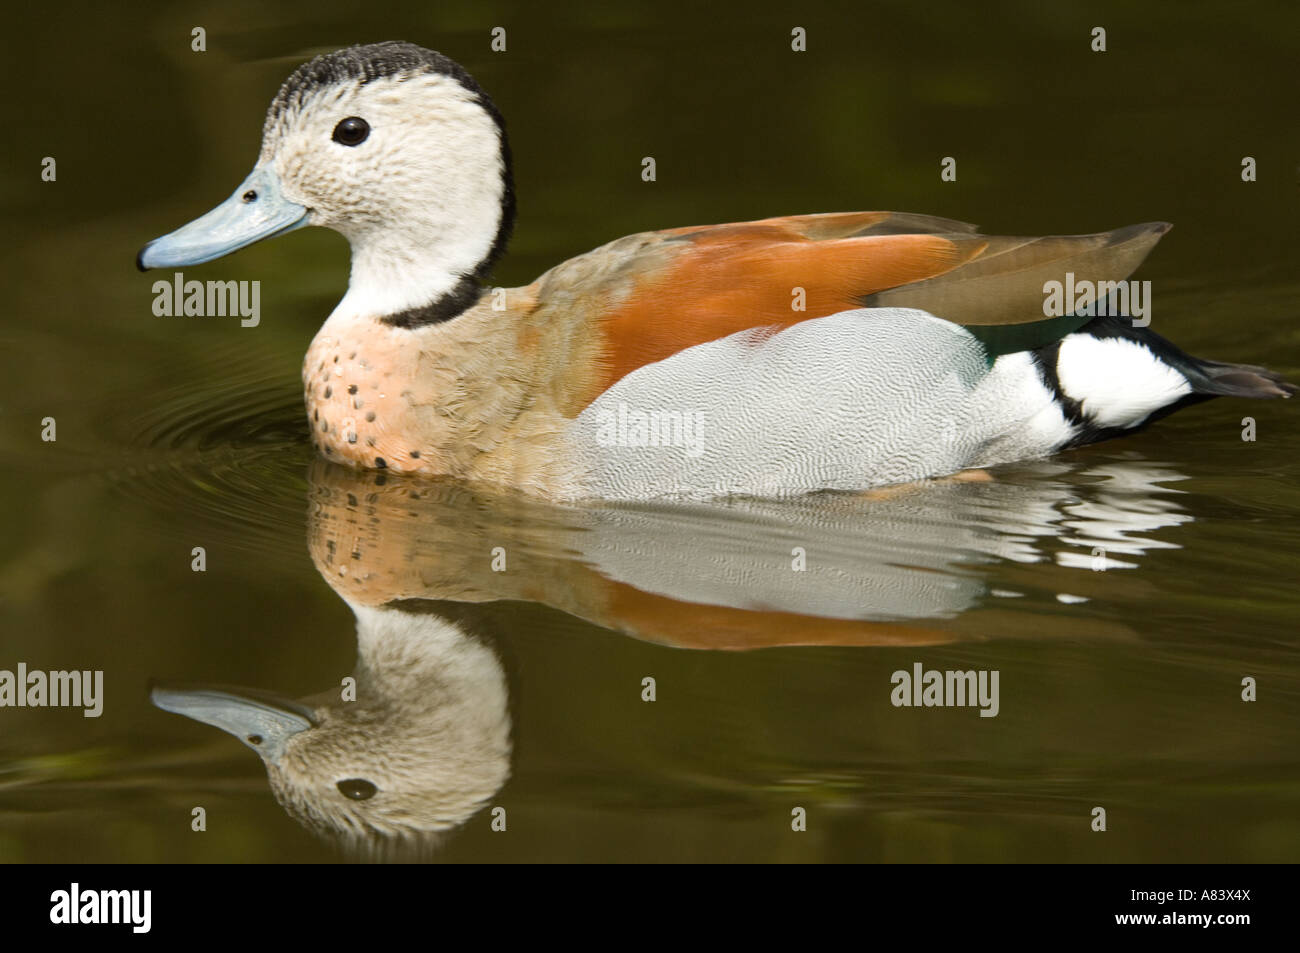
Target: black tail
{"type": "Point", "coordinates": [1238, 380]}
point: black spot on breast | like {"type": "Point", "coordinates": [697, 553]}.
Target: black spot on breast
{"type": "Point", "coordinates": [370, 416]}
{"type": "Point", "coordinates": [415, 454]}
{"type": "Point", "coordinates": [328, 391]}
{"type": "Point", "coordinates": [352, 388]}
{"type": "Point", "coordinates": [380, 462]}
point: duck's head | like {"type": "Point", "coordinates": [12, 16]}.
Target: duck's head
{"type": "Point", "coordinates": [392, 145]}
{"type": "Point", "coordinates": [417, 747]}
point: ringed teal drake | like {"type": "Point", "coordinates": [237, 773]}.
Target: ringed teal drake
{"type": "Point", "coordinates": [767, 358]}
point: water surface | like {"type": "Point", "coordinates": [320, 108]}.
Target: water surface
{"type": "Point", "coordinates": [1119, 687]}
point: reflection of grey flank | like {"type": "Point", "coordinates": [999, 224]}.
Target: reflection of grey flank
{"type": "Point", "coordinates": [854, 562]}
{"type": "Point", "coordinates": [423, 747]}
{"type": "Point", "coordinates": [900, 558]}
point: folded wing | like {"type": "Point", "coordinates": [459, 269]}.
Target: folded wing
{"type": "Point", "coordinates": [690, 285]}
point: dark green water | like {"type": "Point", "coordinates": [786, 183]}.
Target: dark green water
{"type": "Point", "coordinates": [1119, 688]}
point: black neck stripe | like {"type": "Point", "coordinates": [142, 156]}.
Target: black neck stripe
{"type": "Point", "coordinates": [458, 300]}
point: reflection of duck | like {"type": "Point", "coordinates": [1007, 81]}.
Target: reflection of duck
{"type": "Point", "coordinates": [827, 569]}
{"type": "Point", "coordinates": [693, 362]}
{"type": "Point", "coordinates": [425, 744]}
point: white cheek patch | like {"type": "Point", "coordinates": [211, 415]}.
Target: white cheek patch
{"type": "Point", "coordinates": [1119, 383]}
{"type": "Point", "coordinates": [420, 200]}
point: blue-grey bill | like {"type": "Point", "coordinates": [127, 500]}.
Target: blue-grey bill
{"type": "Point", "coordinates": [263, 721]}
{"type": "Point", "coordinates": [255, 211]}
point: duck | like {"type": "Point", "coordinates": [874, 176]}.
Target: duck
{"type": "Point", "coordinates": [770, 358]}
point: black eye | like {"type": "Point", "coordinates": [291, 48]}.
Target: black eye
{"type": "Point", "coordinates": [358, 789]}
{"type": "Point", "coordinates": [351, 131]}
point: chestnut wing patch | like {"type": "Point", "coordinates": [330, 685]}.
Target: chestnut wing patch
{"type": "Point", "coordinates": [702, 284]}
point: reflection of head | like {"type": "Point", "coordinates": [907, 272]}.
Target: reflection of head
{"type": "Point", "coordinates": [424, 745]}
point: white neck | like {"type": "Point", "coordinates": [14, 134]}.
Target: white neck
{"type": "Point", "coordinates": [390, 276]}
{"type": "Point", "coordinates": [434, 216]}
{"type": "Point", "coordinates": [425, 662]}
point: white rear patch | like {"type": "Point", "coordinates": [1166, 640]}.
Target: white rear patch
{"type": "Point", "coordinates": [1118, 383]}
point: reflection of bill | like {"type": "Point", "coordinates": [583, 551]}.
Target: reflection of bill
{"type": "Point", "coordinates": [425, 742]}
{"type": "Point", "coordinates": [419, 748]}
